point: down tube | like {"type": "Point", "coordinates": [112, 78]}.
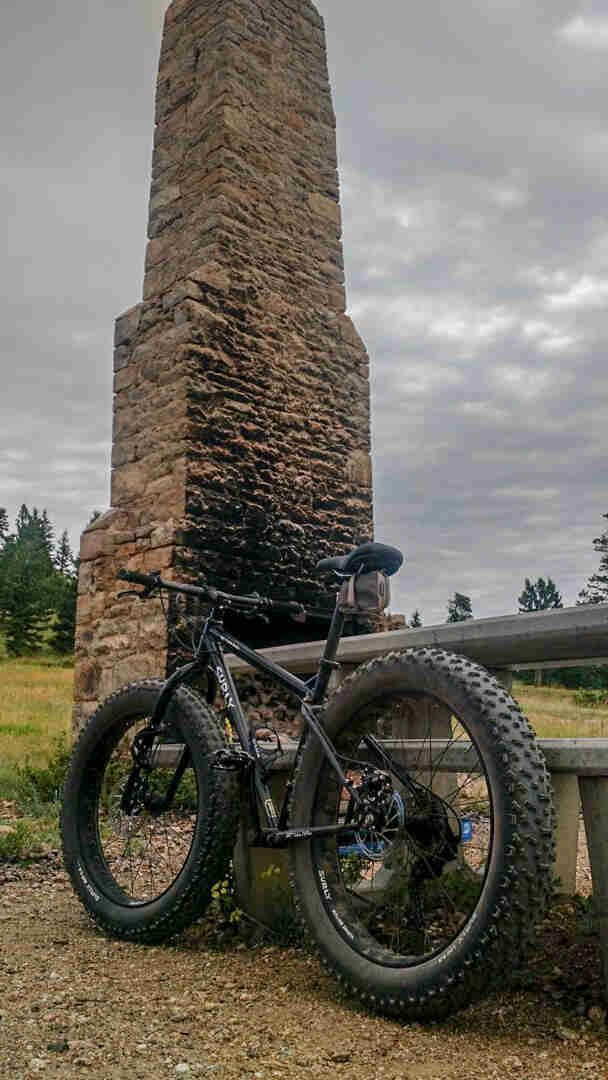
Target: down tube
{"type": "Point", "coordinates": [291, 682]}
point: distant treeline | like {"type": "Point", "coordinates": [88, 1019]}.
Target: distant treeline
{"type": "Point", "coordinates": [541, 595]}
{"type": "Point", "coordinates": [38, 584]}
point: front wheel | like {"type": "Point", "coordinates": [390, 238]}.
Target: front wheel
{"type": "Point", "coordinates": [431, 888]}
{"type": "Point", "coordinates": [143, 848]}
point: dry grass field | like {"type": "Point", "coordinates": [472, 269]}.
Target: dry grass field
{"type": "Point", "coordinates": [554, 713]}
{"type": "Point", "coordinates": [36, 702]}
{"type": "Point", "coordinates": [35, 710]}
{"type": "Point", "coordinates": [35, 724]}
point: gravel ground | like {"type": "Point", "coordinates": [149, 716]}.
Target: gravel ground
{"type": "Point", "coordinates": [74, 1004]}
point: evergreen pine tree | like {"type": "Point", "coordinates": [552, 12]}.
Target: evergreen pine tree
{"type": "Point", "coordinates": [23, 602]}
{"type": "Point", "coordinates": [65, 593]}
{"type": "Point", "coordinates": [539, 596]}
{"type": "Point", "coordinates": [64, 560]}
{"type": "Point", "coordinates": [459, 608]}
{"type": "Point", "coordinates": [22, 520]}
{"type": "Point", "coordinates": [415, 620]}
{"type": "Point", "coordinates": [3, 524]}
{"type": "Point", "coordinates": [35, 531]}
{"type": "Point", "coordinates": [64, 629]}
{"type": "Point", "coordinates": [596, 589]}
{"type": "Point", "coordinates": [26, 581]}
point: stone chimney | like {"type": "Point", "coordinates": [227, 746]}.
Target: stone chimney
{"type": "Point", "coordinates": [241, 404]}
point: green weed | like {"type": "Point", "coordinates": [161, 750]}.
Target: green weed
{"type": "Point", "coordinates": [590, 699]}
{"type": "Point", "coordinates": [37, 786]}
{"type": "Point", "coordinates": [18, 729]}
{"type": "Point", "coordinates": [223, 900]}
{"type": "Point", "coordinates": [17, 842]}
{"type": "Point", "coordinates": [27, 838]}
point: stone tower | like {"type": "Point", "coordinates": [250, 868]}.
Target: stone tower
{"type": "Point", "coordinates": [241, 407]}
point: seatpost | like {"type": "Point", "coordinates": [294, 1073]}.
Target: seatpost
{"type": "Point", "coordinates": [327, 663]}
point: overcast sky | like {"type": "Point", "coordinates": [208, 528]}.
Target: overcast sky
{"type": "Point", "coordinates": [473, 152]}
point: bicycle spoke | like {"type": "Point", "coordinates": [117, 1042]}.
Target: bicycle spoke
{"type": "Point", "coordinates": [145, 850]}
{"type": "Point", "coordinates": [409, 882]}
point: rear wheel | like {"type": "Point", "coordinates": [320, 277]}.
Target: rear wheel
{"type": "Point", "coordinates": [143, 863]}
{"type": "Point", "coordinates": [444, 861]}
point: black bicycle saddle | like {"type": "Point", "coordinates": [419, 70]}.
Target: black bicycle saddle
{"type": "Point", "coordinates": [366, 557]}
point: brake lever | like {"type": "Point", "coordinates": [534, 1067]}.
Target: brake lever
{"type": "Point", "coordinates": [145, 592]}
{"type": "Point", "coordinates": [255, 614]}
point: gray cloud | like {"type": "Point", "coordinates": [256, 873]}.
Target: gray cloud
{"type": "Point", "coordinates": [473, 157]}
{"type": "Point", "coordinates": [475, 236]}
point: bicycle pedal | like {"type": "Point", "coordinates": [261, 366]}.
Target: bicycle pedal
{"type": "Point", "coordinates": [228, 759]}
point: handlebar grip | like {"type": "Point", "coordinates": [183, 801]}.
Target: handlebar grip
{"type": "Point", "coordinates": [136, 578]}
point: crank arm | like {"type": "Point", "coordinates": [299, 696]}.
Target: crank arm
{"type": "Point", "coordinates": [283, 837]}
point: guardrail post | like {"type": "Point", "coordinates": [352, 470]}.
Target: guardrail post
{"type": "Point", "coordinates": [504, 676]}
{"type": "Point", "coordinates": [594, 796]}
{"type": "Point", "coordinates": [566, 804]}
{"type": "Point", "coordinates": [261, 874]}
{"type": "Point", "coordinates": [425, 719]}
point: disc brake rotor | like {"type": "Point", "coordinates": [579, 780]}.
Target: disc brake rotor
{"type": "Point", "coordinates": [376, 841]}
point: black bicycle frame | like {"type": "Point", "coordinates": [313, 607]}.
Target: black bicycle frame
{"type": "Point", "coordinates": [210, 653]}
{"type": "Point", "coordinates": [310, 693]}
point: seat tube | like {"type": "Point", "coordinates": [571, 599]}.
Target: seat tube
{"type": "Point", "coordinates": [327, 662]}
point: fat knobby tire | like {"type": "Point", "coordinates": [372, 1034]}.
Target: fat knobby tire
{"type": "Point", "coordinates": [517, 885]}
{"type": "Point", "coordinates": [215, 822]}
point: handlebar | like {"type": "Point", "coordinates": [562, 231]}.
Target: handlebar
{"type": "Point", "coordinates": [153, 581]}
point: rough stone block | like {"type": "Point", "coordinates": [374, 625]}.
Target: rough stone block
{"type": "Point", "coordinates": [178, 10]}
{"type": "Point", "coordinates": [81, 715]}
{"type": "Point", "coordinates": [126, 326]}
{"type": "Point", "coordinates": [324, 207]}
{"type": "Point", "coordinates": [95, 544]}
{"type": "Point", "coordinates": [213, 274]}
{"type": "Point", "coordinates": [86, 681]}
{"type": "Point", "coordinates": [166, 217]}
{"type": "Point", "coordinates": [124, 378]}
{"type": "Point", "coordinates": [168, 193]}
{"type": "Point", "coordinates": [121, 357]}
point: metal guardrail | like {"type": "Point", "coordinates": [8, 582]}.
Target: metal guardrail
{"type": "Point", "coordinates": [579, 757]}
{"type": "Point", "coordinates": [560, 637]}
